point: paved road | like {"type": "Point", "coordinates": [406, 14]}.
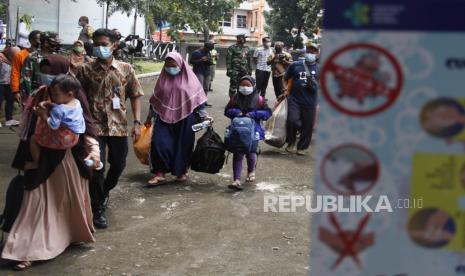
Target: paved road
{"type": "Point", "coordinates": [199, 228]}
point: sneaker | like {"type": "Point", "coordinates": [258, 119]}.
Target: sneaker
{"type": "Point", "coordinates": [208, 105]}
{"type": "Point", "coordinates": [11, 123]}
{"type": "Point", "coordinates": [291, 149]}
{"type": "Point", "coordinates": [300, 152]}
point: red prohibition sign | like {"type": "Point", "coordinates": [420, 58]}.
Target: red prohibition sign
{"type": "Point", "coordinates": [392, 94]}
{"type": "Point", "coordinates": [373, 171]}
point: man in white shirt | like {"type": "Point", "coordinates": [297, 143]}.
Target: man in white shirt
{"type": "Point", "coordinates": [263, 72]}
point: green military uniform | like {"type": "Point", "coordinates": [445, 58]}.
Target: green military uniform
{"type": "Point", "coordinates": [238, 64]}
{"type": "Point", "coordinates": [30, 72]}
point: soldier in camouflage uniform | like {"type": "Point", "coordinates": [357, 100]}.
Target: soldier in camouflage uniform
{"type": "Point", "coordinates": [238, 63]}
{"type": "Point", "coordinates": [30, 72]}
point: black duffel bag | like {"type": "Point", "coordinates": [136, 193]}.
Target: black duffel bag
{"type": "Point", "coordinates": [209, 154]}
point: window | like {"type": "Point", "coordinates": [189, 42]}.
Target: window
{"type": "Point", "coordinates": [226, 22]}
{"type": "Point", "coordinates": [242, 21]}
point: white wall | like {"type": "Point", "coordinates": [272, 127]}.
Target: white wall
{"type": "Point", "coordinates": [63, 15]}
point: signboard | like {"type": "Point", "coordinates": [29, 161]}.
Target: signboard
{"type": "Point", "coordinates": [392, 123]}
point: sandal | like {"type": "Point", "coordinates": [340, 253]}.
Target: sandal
{"type": "Point", "coordinates": [157, 180]}
{"type": "Point", "coordinates": [251, 177]}
{"type": "Point", "coordinates": [236, 185]}
{"type": "Point", "coordinates": [22, 265]}
{"type": "Point", "coordinates": [183, 178]}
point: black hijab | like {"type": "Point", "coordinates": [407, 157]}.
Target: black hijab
{"type": "Point", "coordinates": [250, 102]}
{"type": "Point", "coordinates": [50, 158]}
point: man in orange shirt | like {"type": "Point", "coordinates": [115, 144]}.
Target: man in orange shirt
{"type": "Point", "coordinates": [18, 61]}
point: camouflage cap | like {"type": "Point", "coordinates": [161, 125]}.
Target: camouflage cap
{"type": "Point", "coordinates": [312, 45]}
{"type": "Point", "coordinates": [50, 37]}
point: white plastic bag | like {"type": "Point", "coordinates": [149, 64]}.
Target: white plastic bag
{"type": "Point", "coordinates": [275, 134]}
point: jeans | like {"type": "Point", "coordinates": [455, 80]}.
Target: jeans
{"type": "Point", "coordinates": [263, 77]}
{"type": "Point", "coordinates": [300, 119]}
{"type": "Point", "coordinates": [237, 164]}
{"type": "Point", "coordinates": [101, 185]}
{"type": "Point", "coordinates": [5, 93]}
{"type": "Point", "coordinates": [205, 81]}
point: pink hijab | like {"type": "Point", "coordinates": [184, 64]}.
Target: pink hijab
{"type": "Point", "coordinates": [176, 97]}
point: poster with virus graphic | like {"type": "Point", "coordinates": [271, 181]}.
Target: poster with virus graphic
{"type": "Point", "coordinates": [392, 123]}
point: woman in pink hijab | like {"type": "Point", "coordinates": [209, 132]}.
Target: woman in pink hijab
{"type": "Point", "coordinates": [177, 103]}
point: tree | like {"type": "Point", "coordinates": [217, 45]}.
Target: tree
{"type": "Point", "coordinates": [3, 9]}
{"type": "Point", "coordinates": [289, 19]}
{"type": "Point", "coordinates": [201, 16]}
{"type": "Point", "coordinates": [139, 7]}
{"type": "Point", "coordinates": [109, 4]}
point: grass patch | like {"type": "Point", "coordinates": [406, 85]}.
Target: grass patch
{"type": "Point", "coordinates": [142, 67]}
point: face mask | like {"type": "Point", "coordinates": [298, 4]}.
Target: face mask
{"type": "Point", "coordinates": [173, 71]}
{"type": "Point", "coordinates": [102, 52]}
{"type": "Point", "coordinates": [46, 79]}
{"type": "Point", "coordinates": [310, 57]}
{"type": "Point", "coordinates": [245, 90]}
{"type": "Point", "coordinates": [78, 50]}
{"type": "Point", "coordinates": [268, 44]}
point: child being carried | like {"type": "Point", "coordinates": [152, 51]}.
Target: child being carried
{"type": "Point", "coordinates": [59, 128]}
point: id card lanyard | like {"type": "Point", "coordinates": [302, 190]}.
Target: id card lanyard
{"type": "Point", "coordinates": [116, 100]}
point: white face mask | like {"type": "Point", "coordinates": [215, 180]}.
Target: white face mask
{"type": "Point", "coordinates": [245, 90]}
{"type": "Point", "coordinates": [267, 44]}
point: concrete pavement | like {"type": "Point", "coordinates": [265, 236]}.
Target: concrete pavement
{"type": "Point", "coordinates": [198, 228]}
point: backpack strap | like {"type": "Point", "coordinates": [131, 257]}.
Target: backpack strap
{"type": "Point", "coordinates": [234, 101]}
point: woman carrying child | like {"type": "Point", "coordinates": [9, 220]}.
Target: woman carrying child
{"type": "Point", "coordinates": [55, 211]}
{"type": "Point", "coordinates": [247, 102]}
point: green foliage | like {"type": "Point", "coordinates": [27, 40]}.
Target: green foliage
{"type": "Point", "coordinates": [3, 9]}
{"type": "Point", "coordinates": [202, 16]}
{"type": "Point", "coordinates": [288, 19]}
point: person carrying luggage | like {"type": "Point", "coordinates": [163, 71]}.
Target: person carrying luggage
{"type": "Point", "coordinates": [246, 109]}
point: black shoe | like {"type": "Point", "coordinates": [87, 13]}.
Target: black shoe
{"type": "Point", "coordinates": [208, 105]}
{"type": "Point", "coordinates": [100, 219]}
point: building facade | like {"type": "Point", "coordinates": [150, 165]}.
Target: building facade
{"type": "Point", "coordinates": [248, 18]}
{"type": "Point", "coordinates": [62, 16]}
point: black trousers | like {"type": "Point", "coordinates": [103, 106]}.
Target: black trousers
{"type": "Point", "coordinates": [101, 185]}
{"type": "Point", "coordinates": [300, 119]}
{"type": "Point", "coordinates": [262, 78]}
{"type": "Point", "coordinates": [278, 84]}
{"type": "Point", "coordinates": [5, 93]}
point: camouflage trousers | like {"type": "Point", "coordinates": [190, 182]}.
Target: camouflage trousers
{"type": "Point", "coordinates": [234, 79]}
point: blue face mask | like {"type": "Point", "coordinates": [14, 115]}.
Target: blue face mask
{"type": "Point", "coordinates": [173, 71]}
{"type": "Point", "coordinates": [102, 52]}
{"type": "Point", "coordinates": [46, 79]}
{"type": "Point", "coordinates": [310, 57]}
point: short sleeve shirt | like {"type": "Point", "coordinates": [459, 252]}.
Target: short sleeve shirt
{"type": "Point", "coordinates": [262, 56]}
{"type": "Point", "coordinates": [102, 86]}
{"type": "Point", "coordinates": [299, 91]}
{"type": "Point", "coordinates": [277, 64]}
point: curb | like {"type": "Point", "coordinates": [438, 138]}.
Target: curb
{"type": "Point", "coordinates": [148, 75]}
